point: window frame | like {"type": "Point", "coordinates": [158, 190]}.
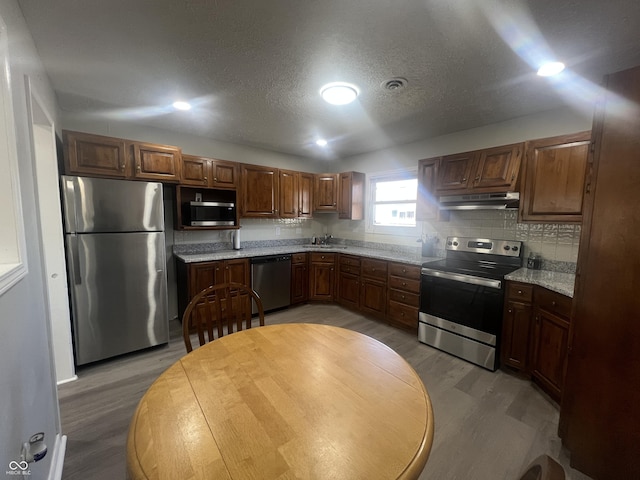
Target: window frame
{"type": "Point", "coordinates": [13, 261]}
{"type": "Point", "coordinates": [374, 178]}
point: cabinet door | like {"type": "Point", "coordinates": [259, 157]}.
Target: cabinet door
{"type": "Point", "coordinates": [373, 296]}
{"type": "Point", "coordinates": [195, 171]}
{"type": "Point", "coordinates": [288, 194]}
{"type": "Point", "coordinates": [351, 196]}
{"type": "Point", "coordinates": [237, 271]}
{"type": "Point", "coordinates": [551, 335]}
{"type": "Point", "coordinates": [259, 192]}
{"type": "Point", "coordinates": [159, 163]}
{"type": "Point", "coordinates": [349, 289]}
{"type": "Point", "coordinates": [554, 180]}
{"type": "Point", "coordinates": [516, 334]}
{"type": "Point", "coordinates": [427, 207]}
{"type": "Point", "coordinates": [322, 280]}
{"type": "Point", "coordinates": [224, 174]}
{"type": "Point", "coordinates": [497, 168]}
{"type": "Point", "coordinates": [95, 155]}
{"type": "Point", "coordinates": [455, 171]}
{"type": "Point", "coordinates": [203, 275]}
{"type": "Point", "coordinates": [299, 279]}
{"type": "Point", "coordinates": [305, 195]}
{"type": "Point", "coordinates": [325, 192]}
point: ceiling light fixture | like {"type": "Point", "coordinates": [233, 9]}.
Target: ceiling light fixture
{"type": "Point", "coordinates": [339, 93]}
{"type": "Point", "coordinates": [550, 68]}
{"type": "Point", "coordinates": [180, 105]}
{"type": "Point", "coordinates": [321, 142]}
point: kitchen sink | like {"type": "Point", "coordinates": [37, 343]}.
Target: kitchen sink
{"type": "Point", "coordinates": [325, 246]}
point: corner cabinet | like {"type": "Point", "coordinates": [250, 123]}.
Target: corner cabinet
{"type": "Point", "coordinates": [100, 156]}
{"type": "Point", "coordinates": [351, 196]}
{"type": "Point", "coordinates": [259, 192]}
{"type": "Point", "coordinates": [483, 171]}
{"type": "Point", "coordinates": [554, 180]}
{"type": "Point", "coordinates": [535, 335]}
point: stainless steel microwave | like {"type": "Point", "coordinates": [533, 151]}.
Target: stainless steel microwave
{"type": "Point", "coordinates": [210, 214]}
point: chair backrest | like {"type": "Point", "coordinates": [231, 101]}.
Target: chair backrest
{"type": "Point", "coordinates": [218, 310]}
{"type": "Point", "coordinates": [543, 468]}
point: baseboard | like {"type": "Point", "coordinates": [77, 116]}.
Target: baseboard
{"type": "Point", "coordinates": [57, 458]}
{"type": "Point", "coordinates": [67, 380]}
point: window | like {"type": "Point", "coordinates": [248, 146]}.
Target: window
{"type": "Point", "coordinates": [393, 202]}
{"type": "Point", "coordinates": [12, 245]}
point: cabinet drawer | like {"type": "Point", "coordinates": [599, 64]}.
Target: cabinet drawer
{"type": "Point", "coordinates": [350, 269]}
{"type": "Point", "coordinates": [406, 298]}
{"type": "Point", "coordinates": [553, 302]}
{"type": "Point", "coordinates": [323, 257]}
{"type": "Point", "coordinates": [404, 270]}
{"type": "Point", "coordinates": [404, 284]}
{"type": "Point", "coordinates": [520, 291]}
{"type": "Point", "coordinates": [299, 258]}
{"type": "Point", "coordinates": [374, 268]}
{"type": "Point", "coordinates": [403, 314]}
{"type": "Point", "coordinates": [350, 261]}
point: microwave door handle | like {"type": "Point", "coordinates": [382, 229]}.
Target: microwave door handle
{"type": "Point", "coordinates": [458, 277]}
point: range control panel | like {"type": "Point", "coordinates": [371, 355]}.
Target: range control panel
{"type": "Point", "coordinates": [507, 248]}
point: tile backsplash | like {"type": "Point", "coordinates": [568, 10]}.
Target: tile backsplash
{"type": "Point", "coordinates": [553, 242]}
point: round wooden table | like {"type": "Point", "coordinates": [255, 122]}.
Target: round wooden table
{"type": "Point", "coordinates": [284, 401]}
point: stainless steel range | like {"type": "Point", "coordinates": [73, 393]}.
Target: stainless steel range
{"type": "Point", "coordinates": [461, 298]}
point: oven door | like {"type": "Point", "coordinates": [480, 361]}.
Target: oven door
{"type": "Point", "coordinates": [462, 304]}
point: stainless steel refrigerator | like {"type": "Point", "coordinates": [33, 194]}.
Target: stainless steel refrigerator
{"type": "Point", "coordinates": [114, 238]}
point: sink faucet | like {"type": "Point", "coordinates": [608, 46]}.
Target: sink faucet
{"type": "Point", "coordinates": [327, 238]}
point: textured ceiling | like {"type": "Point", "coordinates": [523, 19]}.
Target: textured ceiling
{"type": "Point", "coordinates": [253, 68]}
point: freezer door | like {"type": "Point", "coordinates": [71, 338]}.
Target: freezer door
{"type": "Point", "coordinates": [94, 205]}
{"type": "Point", "coordinates": [119, 293]}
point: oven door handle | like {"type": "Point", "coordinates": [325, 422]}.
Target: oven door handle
{"type": "Point", "coordinates": [458, 277]}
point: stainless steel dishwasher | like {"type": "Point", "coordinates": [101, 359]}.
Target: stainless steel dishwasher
{"type": "Point", "coordinates": [271, 279]}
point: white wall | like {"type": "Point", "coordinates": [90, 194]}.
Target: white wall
{"type": "Point", "coordinates": [28, 398]}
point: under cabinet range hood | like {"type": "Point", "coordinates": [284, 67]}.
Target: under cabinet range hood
{"type": "Point", "coordinates": [480, 201]}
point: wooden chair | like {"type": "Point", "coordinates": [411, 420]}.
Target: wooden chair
{"type": "Point", "coordinates": [218, 308]}
{"type": "Point", "coordinates": [543, 468]}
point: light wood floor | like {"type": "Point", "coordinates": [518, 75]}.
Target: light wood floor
{"type": "Point", "coordinates": [488, 425]}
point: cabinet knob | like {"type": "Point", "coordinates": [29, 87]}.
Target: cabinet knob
{"type": "Point", "coordinates": [215, 179]}
{"type": "Point", "coordinates": [204, 179]}
{"type": "Point", "coordinates": [510, 311]}
{"type": "Point", "coordinates": [463, 180]}
{"type": "Point", "coordinates": [322, 257]}
{"type": "Point", "coordinates": [519, 292]}
{"type": "Point", "coordinates": [404, 284]}
{"type": "Point", "coordinates": [138, 167]}
{"type": "Point", "coordinates": [404, 270]}
{"type": "Point", "coordinates": [403, 297]}
{"type": "Point", "coordinates": [553, 303]}
{"type": "Point", "coordinates": [122, 167]}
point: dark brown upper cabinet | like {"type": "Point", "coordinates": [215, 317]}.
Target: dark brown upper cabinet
{"type": "Point", "coordinates": [209, 172]}
{"type": "Point", "coordinates": [260, 192]}
{"type": "Point", "coordinates": [351, 196]}
{"type": "Point", "coordinates": [325, 192]}
{"type": "Point", "coordinates": [555, 172]}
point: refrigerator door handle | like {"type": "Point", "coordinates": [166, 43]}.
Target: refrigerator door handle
{"type": "Point", "coordinates": [75, 259]}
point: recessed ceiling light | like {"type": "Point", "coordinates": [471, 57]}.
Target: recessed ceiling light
{"type": "Point", "coordinates": [321, 142]}
{"type": "Point", "coordinates": [339, 93]}
{"type": "Point", "coordinates": [550, 68]}
{"type": "Point", "coordinates": [180, 105]}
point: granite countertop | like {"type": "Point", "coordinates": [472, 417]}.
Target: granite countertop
{"type": "Point", "coordinates": [556, 281]}
{"type": "Point", "coordinates": [413, 259]}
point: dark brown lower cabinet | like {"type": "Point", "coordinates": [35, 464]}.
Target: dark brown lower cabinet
{"type": "Point", "coordinates": [322, 276]}
{"type": "Point", "coordinates": [299, 278]}
{"type": "Point", "coordinates": [535, 335]}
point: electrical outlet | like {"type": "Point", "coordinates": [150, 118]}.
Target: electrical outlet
{"type": "Point", "coordinates": [277, 231]}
